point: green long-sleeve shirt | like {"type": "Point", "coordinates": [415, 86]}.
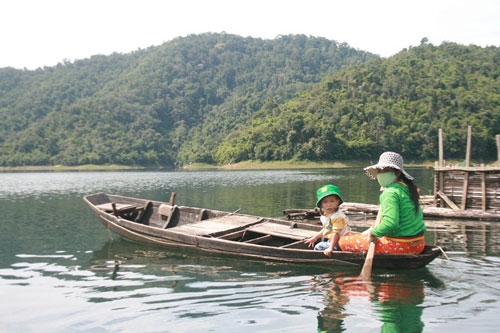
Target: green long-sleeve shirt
{"type": "Point", "coordinates": [398, 213]}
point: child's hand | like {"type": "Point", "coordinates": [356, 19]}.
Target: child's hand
{"type": "Point", "coordinates": [309, 242]}
{"type": "Point", "coordinates": [328, 252]}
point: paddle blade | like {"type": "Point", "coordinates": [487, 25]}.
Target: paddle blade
{"type": "Point", "coordinates": [366, 272]}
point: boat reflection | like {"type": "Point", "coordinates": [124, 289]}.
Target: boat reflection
{"type": "Point", "coordinates": [120, 254]}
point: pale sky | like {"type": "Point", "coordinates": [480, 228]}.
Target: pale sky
{"type": "Point", "coordinates": [37, 33]}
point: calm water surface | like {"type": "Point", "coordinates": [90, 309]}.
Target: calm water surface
{"type": "Point", "coordinates": [62, 271]}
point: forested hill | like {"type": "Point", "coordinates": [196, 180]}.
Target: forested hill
{"type": "Point", "coordinates": [164, 105]}
{"type": "Point", "coordinates": [219, 98]}
{"type": "Point", "coordinates": [395, 104]}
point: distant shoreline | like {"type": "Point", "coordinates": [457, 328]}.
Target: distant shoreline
{"type": "Point", "coordinates": [276, 165]}
{"type": "Point", "coordinates": [88, 167]}
{"type": "Point", "coordinates": [247, 165]}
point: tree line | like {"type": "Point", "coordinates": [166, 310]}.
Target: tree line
{"type": "Point", "coordinates": [220, 98]}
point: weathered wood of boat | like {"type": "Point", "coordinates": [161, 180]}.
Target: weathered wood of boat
{"type": "Point", "coordinates": [163, 224]}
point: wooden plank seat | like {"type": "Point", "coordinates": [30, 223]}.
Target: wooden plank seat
{"type": "Point", "coordinates": [144, 213]}
{"type": "Point", "coordinates": [280, 230]}
{"type": "Point", "coordinates": [260, 239]}
{"type": "Point", "coordinates": [167, 213]}
{"type": "Point", "coordinates": [297, 245]}
{"type": "Point", "coordinates": [124, 210]}
{"type": "Point", "coordinates": [218, 226]}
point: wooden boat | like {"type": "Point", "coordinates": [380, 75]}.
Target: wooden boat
{"type": "Point", "coordinates": [166, 224]}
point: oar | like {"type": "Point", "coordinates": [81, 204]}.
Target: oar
{"type": "Point", "coordinates": [367, 267]}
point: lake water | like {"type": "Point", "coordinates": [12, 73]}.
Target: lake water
{"type": "Point", "coordinates": [62, 271]}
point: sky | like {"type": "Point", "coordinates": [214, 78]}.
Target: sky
{"type": "Point", "coordinates": [38, 33]}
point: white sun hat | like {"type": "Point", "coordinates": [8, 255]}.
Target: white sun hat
{"type": "Point", "coordinates": [387, 160]}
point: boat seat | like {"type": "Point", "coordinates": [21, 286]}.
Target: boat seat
{"type": "Point", "coordinates": [283, 231]}
{"type": "Point", "coordinates": [168, 214]}
{"type": "Point", "coordinates": [145, 213]}
{"type": "Point", "coordinates": [215, 227]}
{"type": "Point", "coordinates": [123, 210]}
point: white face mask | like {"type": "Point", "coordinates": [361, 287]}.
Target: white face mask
{"type": "Point", "coordinates": [386, 178]}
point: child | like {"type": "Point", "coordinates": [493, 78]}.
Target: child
{"type": "Point", "coordinates": [334, 221]}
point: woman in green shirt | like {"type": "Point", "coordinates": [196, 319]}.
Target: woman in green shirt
{"type": "Point", "coordinates": [401, 228]}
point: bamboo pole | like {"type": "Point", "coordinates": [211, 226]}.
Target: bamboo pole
{"type": "Point", "coordinates": [469, 140]}
{"type": "Point", "coordinates": [436, 175]}
{"type": "Point", "coordinates": [467, 164]}
{"type": "Point", "coordinates": [440, 180]}
{"type": "Point", "coordinates": [497, 137]}
{"type": "Point", "coordinates": [483, 189]}
{"type": "Point", "coordinates": [448, 201]}
{"type": "Point", "coordinates": [440, 143]}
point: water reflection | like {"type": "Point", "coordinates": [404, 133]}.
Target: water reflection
{"type": "Point", "coordinates": [466, 237]}
{"type": "Point", "coordinates": [129, 254]}
{"type": "Point", "coordinates": [191, 285]}
{"type": "Point", "coordinates": [395, 298]}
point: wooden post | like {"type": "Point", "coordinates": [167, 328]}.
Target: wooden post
{"type": "Point", "coordinates": [497, 137]}
{"type": "Point", "coordinates": [483, 188]}
{"type": "Point", "coordinates": [469, 139]}
{"type": "Point", "coordinates": [436, 183]}
{"type": "Point", "coordinates": [440, 143]}
{"type": "Point", "coordinates": [172, 199]}
{"type": "Point", "coordinates": [467, 164]}
{"type": "Point", "coordinates": [115, 211]}
{"type": "Point", "coordinates": [439, 178]}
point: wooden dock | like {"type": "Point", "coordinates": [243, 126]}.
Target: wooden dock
{"type": "Point", "coordinates": [464, 188]}
{"type": "Point", "coordinates": [460, 191]}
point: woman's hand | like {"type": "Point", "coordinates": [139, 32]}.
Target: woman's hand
{"type": "Point", "coordinates": [367, 233]}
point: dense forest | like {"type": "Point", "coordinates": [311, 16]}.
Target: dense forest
{"type": "Point", "coordinates": [394, 104]}
{"type": "Point", "coordinates": [220, 98]}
